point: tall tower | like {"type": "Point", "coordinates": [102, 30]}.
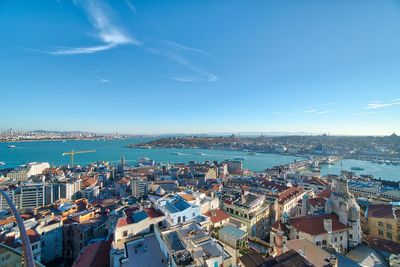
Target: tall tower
{"type": "Point", "coordinates": [304, 203]}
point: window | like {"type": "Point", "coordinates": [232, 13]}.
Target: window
{"type": "Point", "coordinates": [179, 219]}
{"type": "Point", "coordinates": [318, 243]}
{"type": "Point", "coordinates": [335, 239]}
{"type": "Point", "coordinates": [341, 238]}
{"type": "Point", "coordinates": [323, 242]}
{"type": "Point", "coordinates": [125, 233]}
{"type": "Point", "coordinates": [389, 226]}
{"type": "Point", "coordinates": [380, 224]}
{"type": "Point", "coordinates": [380, 233]}
{"type": "Point", "coordinates": [389, 235]}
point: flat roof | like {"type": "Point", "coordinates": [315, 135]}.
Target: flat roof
{"type": "Point", "coordinates": [145, 253]}
{"type": "Point", "coordinates": [232, 231]}
{"type": "Point", "coordinates": [312, 253]}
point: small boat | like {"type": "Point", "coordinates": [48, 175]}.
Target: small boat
{"type": "Point", "coordinates": [251, 154]}
{"type": "Point", "coordinates": [2, 163]}
{"type": "Point", "coordinates": [64, 141]}
{"type": "Point", "coordinates": [240, 158]}
{"type": "Point", "coordinates": [12, 146]}
{"type": "Point", "coordinates": [357, 169]}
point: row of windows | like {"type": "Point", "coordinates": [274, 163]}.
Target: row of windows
{"type": "Point", "coordinates": [388, 234]}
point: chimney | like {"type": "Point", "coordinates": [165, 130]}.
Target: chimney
{"type": "Point", "coordinates": [328, 225]}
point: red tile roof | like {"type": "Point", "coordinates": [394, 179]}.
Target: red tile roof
{"type": "Point", "coordinates": [289, 194]}
{"type": "Point", "coordinates": [383, 211]}
{"type": "Point", "coordinates": [9, 241]}
{"type": "Point", "coordinates": [216, 215]}
{"type": "Point", "coordinates": [7, 220]}
{"type": "Point", "coordinates": [123, 181]}
{"type": "Point", "coordinates": [152, 213]}
{"type": "Point", "coordinates": [96, 254]}
{"type": "Point", "coordinates": [128, 219]}
{"type": "Point", "coordinates": [187, 197]}
{"type": "Point", "coordinates": [383, 244]}
{"type": "Point", "coordinates": [33, 235]}
{"type": "Point", "coordinates": [89, 182]}
{"type": "Point", "coordinates": [317, 201]}
{"type": "Point", "coordinates": [314, 225]}
{"type": "Point", "coordinates": [325, 193]}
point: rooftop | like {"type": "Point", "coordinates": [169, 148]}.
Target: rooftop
{"type": "Point", "coordinates": [314, 225]}
{"type": "Point", "coordinates": [217, 215]}
{"type": "Point", "coordinates": [95, 255]}
{"type": "Point", "coordinates": [312, 253]}
{"type": "Point", "coordinates": [383, 211]}
{"type": "Point", "coordinates": [232, 231]}
{"type": "Point", "coordinates": [145, 252]}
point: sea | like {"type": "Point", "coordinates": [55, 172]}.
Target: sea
{"type": "Point", "coordinates": [113, 150]}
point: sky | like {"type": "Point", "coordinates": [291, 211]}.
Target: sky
{"type": "Point", "coordinates": [153, 67]}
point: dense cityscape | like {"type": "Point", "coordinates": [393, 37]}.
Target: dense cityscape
{"type": "Point", "coordinates": [199, 133]}
{"type": "Point", "coordinates": [208, 213]}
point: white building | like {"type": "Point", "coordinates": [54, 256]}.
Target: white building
{"type": "Point", "coordinates": [51, 236]}
{"type": "Point", "coordinates": [138, 187]}
{"type": "Point", "coordinates": [90, 192]}
{"type": "Point", "coordinates": [177, 210]}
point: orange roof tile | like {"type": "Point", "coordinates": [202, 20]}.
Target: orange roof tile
{"type": "Point", "coordinates": [216, 215]}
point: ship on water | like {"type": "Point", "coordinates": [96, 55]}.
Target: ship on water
{"type": "Point", "coordinates": [355, 168]}
{"type": "Point", "coordinates": [2, 163]}
{"type": "Point", "coordinates": [11, 146]}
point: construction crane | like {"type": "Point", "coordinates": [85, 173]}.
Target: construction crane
{"type": "Point", "coordinates": [73, 152]}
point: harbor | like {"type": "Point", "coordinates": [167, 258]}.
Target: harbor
{"type": "Point", "coordinates": [112, 150]}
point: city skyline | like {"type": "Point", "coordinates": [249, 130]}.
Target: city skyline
{"type": "Point", "coordinates": [174, 67]}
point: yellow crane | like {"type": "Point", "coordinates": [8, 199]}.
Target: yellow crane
{"type": "Point", "coordinates": [73, 152]}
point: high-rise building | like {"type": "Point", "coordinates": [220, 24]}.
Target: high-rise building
{"type": "Point", "coordinates": [139, 187]}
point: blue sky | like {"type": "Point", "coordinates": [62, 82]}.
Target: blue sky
{"type": "Point", "coordinates": [201, 66]}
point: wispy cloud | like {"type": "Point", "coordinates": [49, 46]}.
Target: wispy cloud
{"type": "Point", "coordinates": [366, 113]}
{"type": "Point", "coordinates": [380, 105]}
{"type": "Point", "coordinates": [104, 80]}
{"type": "Point", "coordinates": [324, 112]}
{"type": "Point", "coordinates": [277, 113]}
{"type": "Point", "coordinates": [186, 48]}
{"type": "Point", "coordinates": [319, 105]}
{"type": "Point", "coordinates": [309, 111]}
{"type": "Point", "coordinates": [184, 57]}
{"type": "Point", "coordinates": [131, 6]}
{"type": "Point", "coordinates": [98, 14]}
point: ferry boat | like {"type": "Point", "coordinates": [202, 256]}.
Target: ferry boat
{"type": "Point", "coordinates": [357, 169]}
{"type": "Point", "coordinates": [12, 146]}
{"type": "Point", "coordinates": [142, 162]}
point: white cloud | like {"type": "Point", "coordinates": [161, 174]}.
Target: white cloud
{"type": "Point", "coordinates": [324, 112]}
{"type": "Point", "coordinates": [104, 80]}
{"type": "Point", "coordinates": [183, 56]}
{"type": "Point", "coordinates": [379, 105]}
{"type": "Point", "coordinates": [309, 111]}
{"type": "Point", "coordinates": [106, 31]}
{"type": "Point", "coordinates": [277, 113]}
{"type": "Point", "coordinates": [367, 113]}
{"type": "Point", "coordinates": [189, 49]}
{"type": "Point", "coordinates": [131, 6]}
